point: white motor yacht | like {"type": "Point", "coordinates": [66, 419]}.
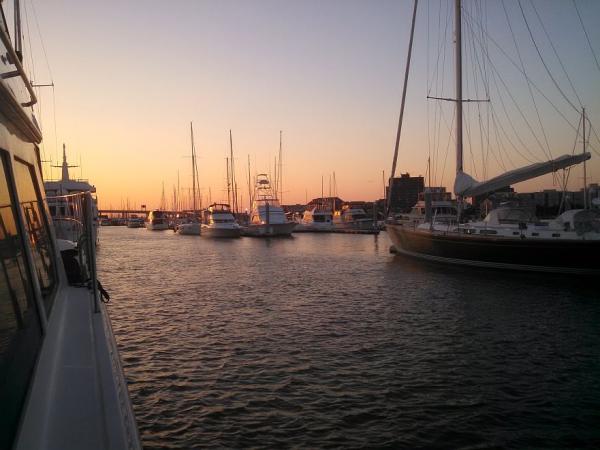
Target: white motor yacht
{"type": "Point", "coordinates": [220, 222]}
{"type": "Point", "coordinates": [193, 227]}
{"type": "Point", "coordinates": [157, 220]}
{"type": "Point", "coordinates": [442, 211]}
{"type": "Point", "coordinates": [267, 217]}
{"type": "Point", "coordinates": [315, 220]}
{"type": "Point", "coordinates": [351, 219]}
{"type": "Point", "coordinates": [62, 205]}
{"type": "Point", "coordinates": [61, 381]}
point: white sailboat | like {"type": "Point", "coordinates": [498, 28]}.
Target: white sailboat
{"type": "Point", "coordinates": [508, 238]}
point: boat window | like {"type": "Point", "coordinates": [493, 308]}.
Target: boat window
{"type": "Point", "coordinates": [20, 329]}
{"type": "Point", "coordinates": [37, 230]}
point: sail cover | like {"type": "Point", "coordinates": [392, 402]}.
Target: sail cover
{"type": "Point", "coordinates": [467, 186]}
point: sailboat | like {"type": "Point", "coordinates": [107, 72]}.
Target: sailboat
{"type": "Point", "coordinates": [508, 237]}
{"type": "Point", "coordinates": [193, 227]}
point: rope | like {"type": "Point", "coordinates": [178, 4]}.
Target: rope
{"type": "Point", "coordinates": [544, 62]}
{"type": "Point", "coordinates": [549, 153]}
{"type": "Point", "coordinates": [586, 35]}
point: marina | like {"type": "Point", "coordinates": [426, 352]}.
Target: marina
{"type": "Point", "coordinates": [222, 303]}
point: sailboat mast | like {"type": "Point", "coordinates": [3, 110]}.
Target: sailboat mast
{"type": "Point", "coordinates": [458, 67]}
{"type": "Point", "coordinates": [228, 185]}
{"type": "Point", "coordinates": [280, 173]}
{"type": "Point", "coordinates": [249, 187]}
{"type": "Point", "coordinates": [403, 102]}
{"type": "Point", "coordinates": [585, 193]}
{"type": "Point", "coordinates": [193, 169]}
{"type": "Point", "coordinates": [231, 168]}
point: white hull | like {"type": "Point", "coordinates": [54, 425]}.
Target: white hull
{"type": "Point", "coordinates": [314, 227]}
{"type": "Point", "coordinates": [156, 226]}
{"type": "Point", "coordinates": [221, 232]}
{"type": "Point", "coordinates": [267, 230]}
{"type": "Point", "coordinates": [193, 229]}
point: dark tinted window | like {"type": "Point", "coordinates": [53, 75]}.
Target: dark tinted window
{"type": "Point", "coordinates": [20, 331]}
{"type": "Point", "coordinates": [37, 230]}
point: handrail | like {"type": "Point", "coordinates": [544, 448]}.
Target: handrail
{"type": "Point", "coordinates": [14, 59]}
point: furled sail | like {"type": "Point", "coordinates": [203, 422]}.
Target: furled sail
{"type": "Point", "coordinates": [467, 186]}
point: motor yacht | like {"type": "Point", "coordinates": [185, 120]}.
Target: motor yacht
{"type": "Point", "coordinates": [157, 220]}
{"type": "Point", "coordinates": [353, 219]}
{"type": "Point", "coordinates": [315, 220]}
{"type": "Point", "coordinates": [220, 222]}
{"type": "Point", "coordinates": [61, 380]}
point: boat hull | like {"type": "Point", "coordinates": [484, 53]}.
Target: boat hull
{"type": "Point", "coordinates": [268, 230]}
{"type": "Point", "coordinates": [192, 229]}
{"type": "Point", "coordinates": [225, 233]}
{"type": "Point", "coordinates": [314, 227]}
{"type": "Point", "coordinates": [357, 226]}
{"type": "Point", "coordinates": [539, 255]}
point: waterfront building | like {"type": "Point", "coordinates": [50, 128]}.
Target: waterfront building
{"type": "Point", "coordinates": [404, 192]}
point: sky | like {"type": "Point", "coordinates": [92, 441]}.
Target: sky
{"type": "Point", "coordinates": [130, 77]}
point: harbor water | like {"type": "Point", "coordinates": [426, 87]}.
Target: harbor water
{"type": "Point", "coordinates": [328, 340]}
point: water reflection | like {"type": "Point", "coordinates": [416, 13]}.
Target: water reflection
{"type": "Point", "coordinates": [329, 340]}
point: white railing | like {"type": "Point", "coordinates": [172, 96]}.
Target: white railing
{"type": "Point", "coordinates": [75, 221]}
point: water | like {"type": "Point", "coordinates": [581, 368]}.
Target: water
{"type": "Point", "coordinates": [330, 341]}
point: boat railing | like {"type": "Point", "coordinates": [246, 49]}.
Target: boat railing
{"type": "Point", "coordinates": [77, 228]}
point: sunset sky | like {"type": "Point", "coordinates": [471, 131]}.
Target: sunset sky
{"type": "Point", "coordinates": [130, 76]}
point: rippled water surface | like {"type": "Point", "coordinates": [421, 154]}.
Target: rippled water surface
{"type": "Point", "coordinates": [330, 341]}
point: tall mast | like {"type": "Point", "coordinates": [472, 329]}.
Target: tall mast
{"type": "Point", "coordinates": [193, 169]}
{"type": "Point", "coordinates": [232, 169]}
{"type": "Point", "coordinates": [228, 185]}
{"type": "Point", "coordinates": [400, 119]}
{"type": "Point", "coordinates": [585, 195]}
{"type": "Point", "coordinates": [280, 172]}
{"type": "Point", "coordinates": [249, 187]}
{"type": "Point", "coordinates": [458, 64]}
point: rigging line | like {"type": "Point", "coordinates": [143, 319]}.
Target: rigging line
{"type": "Point", "coordinates": [586, 35]}
{"type": "Point", "coordinates": [500, 145]}
{"type": "Point", "coordinates": [477, 80]}
{"type": "Point", "coordinates": [444, 43]}
{"type": "Point", "coordinates": [566, 180]}
{"type": "Point", "coordinates": [450, 135]}
{"type": "Point", "coordinates": [37, 24]}
{"type": "Point", "coordinates": [483, 132]}
{"type": "Point", "coordinates": [435, 79]}
{"type": "Point", "coordinates": [468, 107]}
{"type": "Point", "coordinates": [537, 112]}
{"type": "Point", "coordinates": [558, 111]}
{"type": "Point", "coordinates": [593, 130]}
{"type": "Point", "coordinates": [556, 54]}
{"type": "Point", "coordinates": [32, 73]}
{"type": "Point", "coordinates": [499, 124]}
{"type": "Point", "coordinates": [500, 97]}
{"type": "Point", "coordinates": [542, 59]}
